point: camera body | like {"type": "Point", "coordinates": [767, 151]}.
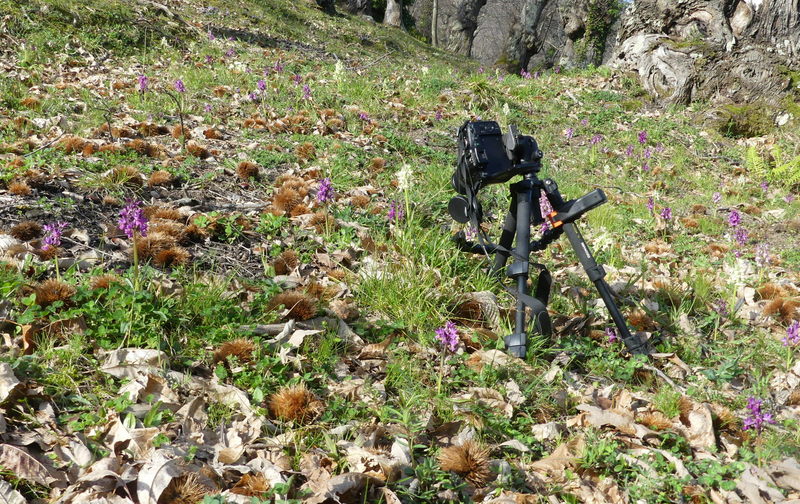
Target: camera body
{"type": "Point", "coordinates": [488, 156]}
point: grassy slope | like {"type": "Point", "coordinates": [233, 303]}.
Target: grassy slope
{"type": "Point", "coordinates": [400, 84]}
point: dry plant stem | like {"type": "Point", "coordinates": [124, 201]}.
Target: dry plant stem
{"type": "Point", "coordinates": [439, 374]}
{"type": "Point", "coordinates": [179, 106]}
{"type": "Point", "coordinates": [55, 263]}
{"type": "Point", "coordinates": [135, 264]}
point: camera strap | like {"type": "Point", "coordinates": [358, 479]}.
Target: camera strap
{"type": "Point", "coordinates": [538, 302]}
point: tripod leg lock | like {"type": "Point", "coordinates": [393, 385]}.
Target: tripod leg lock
{"type": "Point", "coordinates": [518, 269]}
{"type": "Point", "coordinates": [595, 273]}
{"type": "Point", "coordinates": [516, 343]}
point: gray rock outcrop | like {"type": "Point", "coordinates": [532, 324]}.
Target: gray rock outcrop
{"type": "Point", "coordinates": [719, 50]}
{"type": "Point", "coordinates": [359, 7]}
{"type": "Point", "coordinates": [527, 34]}
{"type": "Point", "coordinates": [722, 50]}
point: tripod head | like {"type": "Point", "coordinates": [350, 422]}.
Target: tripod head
{"type": "Point", "coordinates": [487, 156]}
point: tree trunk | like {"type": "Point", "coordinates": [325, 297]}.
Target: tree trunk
{"type": "Point", "coordinates": [718, 50]}
{"type": "Point", "coordinates": [394, 13]}
{"type": "Point", "coordinates": [435, 24]}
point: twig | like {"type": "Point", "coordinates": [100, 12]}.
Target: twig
{"type": "Point", "coordinates": [663, 376]}
{"type": "Point", "coordinates": [76, 242]}
{"type": "Point", "coordinates": [165, 10]}
{"type": "Point", "coordinates": [373, 62]}
{"type": "Point", "coordinates": [48, 144]}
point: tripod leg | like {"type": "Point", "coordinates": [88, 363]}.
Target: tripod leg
{"type": "Point", "coordinates": [506, 237]}
{"type": "Point", "coordinates": [516, 343]}
{"type": "Point", "coordinates": [597, 275]}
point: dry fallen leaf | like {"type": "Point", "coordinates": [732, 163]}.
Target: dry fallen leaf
{"type": "Point", "coordinates": [564, 456]}
{"type": "Point", "coordinates": [156, 474]}
{"type": "Point", "coordinates": [699, 426]}
{"type": "Point", "coordinates": [133, 362]}
{"type": "Point", "coordinates": [9, 384]}
{"type": "Point", "coordinates": [23, 465]}
{"type": "Point", "coordinates": [347, 488]}
{"type": "Point", "coordinates": [10, 496]}
{"type": "Point", "coordinates": [757, 487]}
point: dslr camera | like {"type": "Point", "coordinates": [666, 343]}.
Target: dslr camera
{"type": "Point", "coordinates": [486, 155]}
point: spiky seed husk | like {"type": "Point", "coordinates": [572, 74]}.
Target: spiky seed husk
{"type": "Point", "coordinates": [48, 253]}
{"type": "Point", "coordinates": [197, 150]}
{"type": "Point", "coordinates": [126, 175]}
{"type": "Point", "coordinates": [71, 143]}
{"type": "Point", "coordinates": [295, 404]}
{"type": "Point", "coordinates": [291, 181]}
{"type": "Point", "coordinates": [322, 222]}
{"type": "Point", "coordinates": [770, 291]}
{"type": "Point", "coordinates": [717, 249]}
{"type": "Point", "coordinates": [655, 420]}
{"type": "Point", "coordinates": [300, 306]}
{"type": "Point", "coordinates": [469, 460]}
{"type": "Point", "coordinates": [19, 188]}
{"type": "Point", "coordinates": [251, 485]}
{"type": "Point", "coordinates": [319, 292]}
{"type": "Point", "coordinates": [285, 262]}
{"type": "Point", "coordinates": [306, 151]}
{"type": "Point", "coordinates": [377, 165]}
{"type": "Point", "coordinates": [640, 320]}
{"type": "Point", "coordinates": [166, 213]}
{"type": "Point", "coordinates": [178, 132]}
{"type": "Point", "coordinates": [334, 125]}
{"type": "Point", "coordinates": [360, 200]}
{"type": "Point", "coordinates": [173, 256]}
{"type": "Point", "coordinates": [337, 274]}
{"type": "Point", "coordinates": [89, 149]}
{"type": "Point", "coordinates": [726, 420]}
{"type": "Point", "coordinates": [194, 233]}
{"type": "Point", "coordinates": [286, 199]}
{"type": "Point", "coordinates": [109, 147]}
{"type": "Point", "coordinates": [212, 134]}
{"type": "Point", "coordinates": [240, 348]}
{"type": "Point", "coordinates": [170, 228]}
{"type": "Point", "coordinates": [17, 250]}
{"type": "Point", "coordinates": [784, 309]}
{"type": "Point", "coordinates": [104, 281]}
{"type": "Point", "coordinates": [247, 170]}
{"type": "Point", "coordinates": [26, 231]}
{"type": "Point", "coordinates": [52, 290]}
{"type": "Point", "coordinates": [147, 247]}
{"type": "Point", "coordinates": [185, 489]}
{"type": "Point", "coordinates": [31, 102]}
{"type": "Point", "coordinates": [160, 178]}
{"type": "Point", "coordinates": [300, 209]}
{"type": "Point", "coordinates": [690, 223]}
{"type": "Point", "coordinates": [137, 145]}
{"type": "Point", "coordinates": [685, 407]}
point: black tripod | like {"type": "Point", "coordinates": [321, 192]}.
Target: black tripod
{"type": "Point", "coordinates": [521, 214]}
